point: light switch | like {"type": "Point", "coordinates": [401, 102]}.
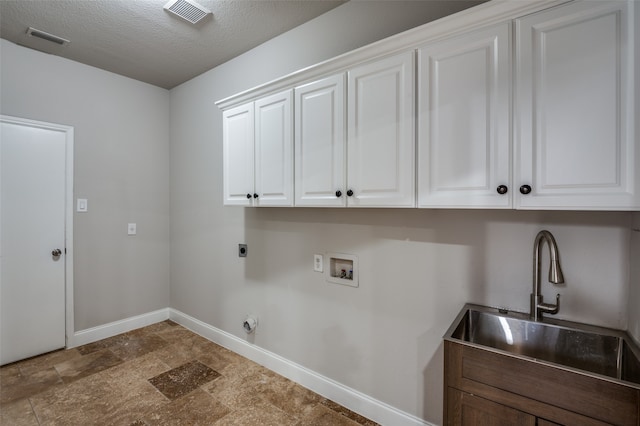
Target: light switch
{"type": "Point", "coordinates": [82, 205]}
{"type": "Point", "coordinates": [131, 229]}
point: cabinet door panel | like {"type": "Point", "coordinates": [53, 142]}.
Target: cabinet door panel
{"type": "Point", "coordinates": [238, 138]}
{"type": "Point", "coordinates": [575, 135]}
{"type": "Point", "coordinates": [274, 150]}
{"type": "Point", "coordinates": [319, 143]}
{"type": "Point", "coordinates": [463, 120]}
{"type": "Point", "coordinates": [381, 153]}
{"type": "Point", "coordinates": [468, 410]}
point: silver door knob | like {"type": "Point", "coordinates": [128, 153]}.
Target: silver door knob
{"type": "Point", "coordinates": [56, 253]}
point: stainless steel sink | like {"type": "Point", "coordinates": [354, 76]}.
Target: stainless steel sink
{"type": "Point", "coordinates": [585, 348]}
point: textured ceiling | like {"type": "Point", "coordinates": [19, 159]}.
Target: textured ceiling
{"type": "Point", "coordinates": [138, 39]}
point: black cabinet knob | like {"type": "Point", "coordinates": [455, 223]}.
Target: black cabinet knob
{"type": "Point", "coordinates": [338, 193]}
{"type": "Point", "coordinates": [248, 196]}
{"type": "Point", "coordinates": [349, 193]}
{"type": "Point", "coordinates": [255, 195]}
{"type": "Point", "coordinates": [525, 189]}
{"type": "Point", "coordinates": [502, 189]}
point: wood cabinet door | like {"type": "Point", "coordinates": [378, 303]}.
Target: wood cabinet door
{"type": "Point", "coordinates": [238, 163]}
{"type": "Point", "coordinates": [543, 422]}
{"type": "Point", "coordinates": [274, 150]}
{"type": "Point", "coordinates": [465, 409]}
{"type": "Point", "coordinates": [463, 120]}
{"type": "Point", "coordinates": [320, 143]}
{"type": "Point", "coordinates": [381, 135]}
{"type": "Point", "coordinates": [573, 108]}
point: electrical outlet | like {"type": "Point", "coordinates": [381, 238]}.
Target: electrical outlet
{"type": "Point", "coordinates": [317, 262]}
{"type": "Point", "coordinates": [242, 250]}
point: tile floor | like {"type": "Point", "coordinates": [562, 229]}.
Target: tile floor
{"type": "Point", "coordinates": [158, 375]}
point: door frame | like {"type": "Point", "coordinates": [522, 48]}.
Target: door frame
{"type": "Point", "coordinates": [68, 232]}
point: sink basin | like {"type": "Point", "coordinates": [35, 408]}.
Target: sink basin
{"type": "Point", "coordinates": [581, 347]}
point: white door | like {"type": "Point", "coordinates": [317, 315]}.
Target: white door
{"type": "Point", "coordinates": [238, 168]}
{"type": "Point", "coordinates": [274, 150]}
{"type": "Point", "coordinates": [575, 118]}
{"type": "Point", "coordinates": [319, 143]}
{"type": "Point", "coordinates": [32, 215]}
{"type": "Point", "coordinates": [381, 136]}
{"type": "Point", "coordinates": [463, 120]}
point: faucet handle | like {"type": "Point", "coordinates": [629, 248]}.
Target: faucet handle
{"type": "Point", "coordinates": [549, 308]}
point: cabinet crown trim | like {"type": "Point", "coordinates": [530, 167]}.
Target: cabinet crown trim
{"type": "Point", "coordinates": [485, 14]}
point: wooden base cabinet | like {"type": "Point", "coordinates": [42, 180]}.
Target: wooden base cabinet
{"type": "Point", "coordinates": [482, 387]}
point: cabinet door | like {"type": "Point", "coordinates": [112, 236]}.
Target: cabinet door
{"type": "Point", "coordinates": [543, 422]}
{"type": "Point", "coordinates": [238, 137]}
{"type": "Point", "coordinates": [463, 120]}
{"type": "Point", "coordinates": [381, 136]}
{"type": "Point", "coordinates": [320, 143]}
{"type": "Point", "coordinates": [575, 88]}
{"type": "Point", "coordinates": [464, 409]}
{"type": "Point", "coordinates": [274, 150]}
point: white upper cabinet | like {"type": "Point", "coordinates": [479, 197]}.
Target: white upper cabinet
{"type": "Point", "coordinates": [258, 152]}
{"type": "Point", "coordinates": [274, 150]}
{"type": "Point", "coordinates": [381, 135]}
{"type": "Point", "coordinates": [238, 164]}
{"type": "Point", "coordinates": [574, 118]}
{"type": "Point", "coordinates": [320, 143]}
{"type": "Point", "coordinates": [526, 105]}
{"type": "Point", "coordinates": [463, 120]}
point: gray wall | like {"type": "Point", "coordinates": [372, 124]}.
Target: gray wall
{"type": "Point", "coordinates": [121, 166]}
{"type": "Point", "coordinates": [417, 267]}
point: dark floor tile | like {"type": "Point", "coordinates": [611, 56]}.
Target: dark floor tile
{"type": "Point", "coordinates": [182, 380]}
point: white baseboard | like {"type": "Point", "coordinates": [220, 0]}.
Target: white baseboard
{"type": "Point", "coordinates": [111, 329]}
{"type": "Point", "coordinates": [358, 402]}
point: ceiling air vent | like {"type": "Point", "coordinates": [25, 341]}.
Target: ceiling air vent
{"type": "Point", "coordinates": [46, 36]}
{"type": "Point", "coordinates": [187, 10]}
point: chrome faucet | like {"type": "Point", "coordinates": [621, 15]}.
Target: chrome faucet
{"type": "Point", "coordinates": [555, 276]}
